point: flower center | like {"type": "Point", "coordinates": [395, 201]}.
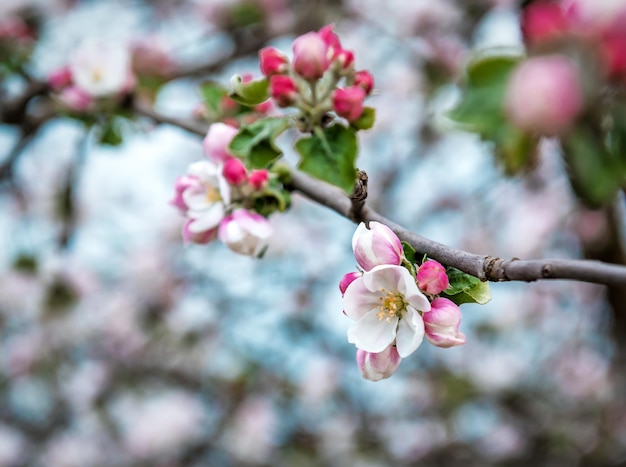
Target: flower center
{"type": "Point", "coordinates": [212, 195]}
{"type": "Point", "coordinates": [391, 305]}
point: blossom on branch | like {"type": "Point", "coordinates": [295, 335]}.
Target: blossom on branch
{"type": "Point", "coordinates": [376, 245]}
{"type": "Point", "coordinates": [377, 366]}
{"type": "Point", "coordinates": [386, 304]}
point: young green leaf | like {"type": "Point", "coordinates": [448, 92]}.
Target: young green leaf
{"type": "Point", "coordinates": [465, 288]}
{"type": "Point", "coordinates": [212, 95]}
{"type": "Point", "coordinates": [250, 93]}
{"type": "Point", "coordinates": [366, 120]}
{"type": "Point", "coordinates": [330, 155]}
{"type": "Point", "coordinates": [256, 143]}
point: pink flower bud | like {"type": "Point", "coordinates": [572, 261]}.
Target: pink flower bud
{"type": "Point", "coordinates": [201, 238]}
{"type": "Point", "coordinates": [60, 78]}
{"type": "Point", "coordinates": [234, 171]}
{"type": "Point", "coordinates": [542, 22]}
{"type": "Point", "coordinates": [432, 277]}
{"type": "Point", "coordinates": [347, 280]}
{"type": "Point", "coordinates": [181, 184]}
{"type": "Point", "coordinates": [376, 245]}
{"type": "Point", "coordinates": [283, 90]}
{"type": "Point", "coordinates": [348, 102]}
{"type": "Point", "coordinates": [74, 98]}
{"type": "Point", "coordinates": [544, 95]}
{"type": "Point", "coordinates": [442, 323]}
{"type": "Point", "coordinates": [377, 366]}
{"type": "Point", "coordinates": [273, 62]}
{"type": "Point", "coordinates": [265, 107]}
{"type": "Point", "coordinates": [345, 58]}
{"type": "Point", "coordinates": [310, 56]}
{"type": "Point", "coordinates": [258, 179]}
{"type": "Point", "coordinates": [245, 232]}
{"type": "Point", "coordinates": [216, 142]}
{"type": "Point", "coordinates": [364, 79]}
{"type": "Point", "coordinates": [331, 40]}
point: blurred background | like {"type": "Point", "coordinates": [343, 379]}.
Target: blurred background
{"type": "Point", "coordinates": [120, 346]}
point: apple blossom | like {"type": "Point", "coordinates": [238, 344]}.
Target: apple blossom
{"type": "Point", "coordinates": [245, 232]}
{"type": "Point", "coordinates": [331, 40]}
{"type": "Point", "coordinates": [442, 323]}
{"type": "Point", "coordinates": [74, 98]}
{"type": "Point", "coordinates": [283, 90]}
{"type": "Point", "coordinates": [273, 62]}
{"type": "Point", "coordinates": [217, 140]}
{"type": "Point", "coordinates": [101, 69]}
{"type": "Point", "coordinates": [180, 186]}
{"type": "Point", "coordinates": [364, 79]}
{"type": "Point", "coordinates": [348, 102]}
{"type": "Point", "coordinates": [386, 304]}
{"type": "Point", "coordinates": [207, 199]}
{"type": "Point", "coordinates": [347, 280]}
{"type": "Point", "coordinates": [432, 277]}
{"type": "Point", "coordinates": [310, 56]}
{"type": "Point", "coordinates": [376, 245]}
{"type": "Point", "coordinates": [377, 366]}
{"type": "Point", "coordinates": [543, 21]}
{"type": "Point", "coordinates": [191, 236]}
{"type": "Point", "coordinates": [258, 178]}
{"type": "Point", "coordinates": [60, 78]}
{"type": "Point", "coordinates": [544, 95]}
{"type": "Point", "coordinates": [234, 171]}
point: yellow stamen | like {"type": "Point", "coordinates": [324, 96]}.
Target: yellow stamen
{"type": "Point", "coordinates": [392, 305]}
{"type": "Point", "coordinates": [212, 195]}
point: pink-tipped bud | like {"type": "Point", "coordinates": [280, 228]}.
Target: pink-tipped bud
{"type": "Point", "coordinates": [217, 140]}
{"type": "Point", "coordinates": [377, 366]}
{"type": "Point", "coordinates": [365, 80]}
{"type": "Point", "coordinates": [347, 280]}
{"type": "Point", "coordinates": [234, 171]}
{"type": "Point", "coordinates": [331, 40]}
{"type": "Point", "coordinates": [432, 277]}
{"type": "Point", "coordinates": [273, 61]}
{"type": "Point", "coordinates": [310, 56]}
{"type": "Point", "coordinates": [265, 107]}
{"type": "Point", "coordinates": [442, 323]}
{"type": "Point", "coordinates": [542, 22]}
{"type": "Point", "coordinates": [544, 95]}
{"type": "Point", "coordinates": [283, 90]}
{"type": "Point", "coordinates": [60, 78]}
{"type": "Point", "coordinates": [376, 245]}
{"type": "Point", "coordinates": [348, 102]}
{"type": "Point", "coordinates": [345, 58]}
{"type": "Point", "coordinates": [74, 98]}
{"type": "Point", "coordinates": [181, 184]}
{"type": "Point", "coordinates": [258, 179]}
{"type": "Point", "coordinates": [201, 238]}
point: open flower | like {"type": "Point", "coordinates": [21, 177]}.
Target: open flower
{"type": "Point", "coordinates": [206, 198]}
{"type": "Point", "coordinates": [385, 303]}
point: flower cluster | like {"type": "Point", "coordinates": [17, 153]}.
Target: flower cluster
{"type": "Point", "coordinates": [95, 71]}
{"type": "Point", "coordinates": [310, 81]}
{"type": "Point", "coordinates": [394, 308]}
{"type": "Point", "coordinates": [219, 197]}
{"type": "Point", "coordinates": [575, 46]}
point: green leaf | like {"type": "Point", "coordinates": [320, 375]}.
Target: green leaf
{"type": "Point", "coordinates": [366, 120]}
{"type": "Point", "coordinates": [212, 95]}
{"type": "Point", "coordinates": [330, 155]}
{"type": "Point", "coordinates": [256, 143]}
{"type": "Point", "coordinates": [465, 288]}
{"type": "Point", "coordinates": [111, 133]}
{"type": "Point", "coordinates": [595, 174]}
{"type": "Point", "coordinates": [251, 93]}
{"type": "Point", "coordinates": [481, 110]}
{"type": "Point", "coordinates": [409, 252]}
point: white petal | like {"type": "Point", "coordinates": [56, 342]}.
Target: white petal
{"type": "Point", "coordinates": [412, 293]}
{"type": "Point", "coordinates": [385, 276]}
{"type": "Point", "coordinates": [208, 219]}
{"type": "Point", "coordinates": [410, 332]}
{"type": "Point", "coordinates": [371, 334]}
{"type": "Point", "coordinates": [358, 300]}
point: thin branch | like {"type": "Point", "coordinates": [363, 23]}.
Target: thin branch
{"type": "Point", "coordinates": [486, 268]}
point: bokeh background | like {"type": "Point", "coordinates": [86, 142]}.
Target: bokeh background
{"type": "Point", "coordinates": [120, 346]}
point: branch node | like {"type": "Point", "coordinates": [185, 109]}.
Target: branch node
{"type": "Point", "coordinates": [546, 271]}
{"type": "Point", "coordinates": [358, 196]}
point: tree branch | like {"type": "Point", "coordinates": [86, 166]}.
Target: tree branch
{"type": "Point", "coordinates": [486, 268]}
